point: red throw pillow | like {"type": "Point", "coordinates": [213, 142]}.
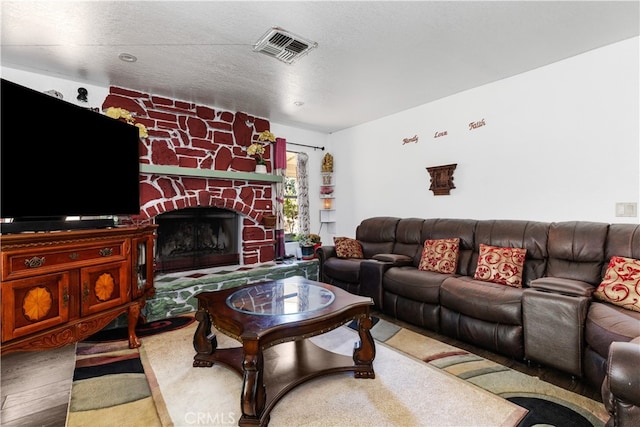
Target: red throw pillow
{"type": "Point", "coordinates": [621, 283]}
{"type": "Point", "coordinates": [440, 255]}
{"type": "Point", "coordinates": [500, 265]}
{"type": "Point", "coordinates": [347, 247]}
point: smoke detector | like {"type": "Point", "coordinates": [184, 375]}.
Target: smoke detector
{"type": "Point", "coordinates": [283, 45]}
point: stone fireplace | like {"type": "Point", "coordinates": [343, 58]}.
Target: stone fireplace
{"type": "Point", "coordinates": [196, 238]}
{"type": "Point", "coordinates": [195, 157]}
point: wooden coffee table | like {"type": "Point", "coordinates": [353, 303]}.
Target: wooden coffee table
{"type": "Point", "coordinates": [272, 321]}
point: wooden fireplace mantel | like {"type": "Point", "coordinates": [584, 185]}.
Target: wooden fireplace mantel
{"type": "Point", "coordinates": [207, 173]}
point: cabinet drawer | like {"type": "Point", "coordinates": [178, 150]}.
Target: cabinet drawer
{"type": "Point", "coordinates": [29, 261]}
{"type": "Point", "coordinates": [104, 286]}
{"type": "Point", "coordinates": [34, 304]}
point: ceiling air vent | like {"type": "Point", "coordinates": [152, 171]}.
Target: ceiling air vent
{"type": "Point", "coordinates": [283, 45]}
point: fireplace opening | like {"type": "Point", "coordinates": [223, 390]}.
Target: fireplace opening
{"type": "Point", "coordinates": [195, 238]}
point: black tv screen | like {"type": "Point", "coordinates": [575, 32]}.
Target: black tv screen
{"type": "Point", "coordinates": [59, 159]}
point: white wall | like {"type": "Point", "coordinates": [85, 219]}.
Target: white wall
{"type": "Point", "coordinates": [560, 143]}
{"type": "Point", "coordinates": [68, 88]}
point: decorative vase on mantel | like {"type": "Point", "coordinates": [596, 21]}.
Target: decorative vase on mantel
{"type": "Point", "coordinates": [260, 168]}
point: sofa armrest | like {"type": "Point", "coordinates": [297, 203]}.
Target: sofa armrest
{"type": "Point", "coordinates": [563, 286]}
{"type": "Point", "coordinates": [621, 385]}
{"type": "Point", "coordinates": [371, 274]}
{"type": "Point", "coordinates": [396, 260]}
{"type": "Point", "coordinates": [623, 373]}
{"type": "Point", "coordinates": [324, 253]}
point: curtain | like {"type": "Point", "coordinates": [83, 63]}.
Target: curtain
{"type": "Point", "coordinates": [280, 169]}
{"type": "Point", "coordinates": [303, 194]}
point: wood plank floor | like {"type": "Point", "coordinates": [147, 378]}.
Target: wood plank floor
{"type": "Point", "coordinates": [35, 387]}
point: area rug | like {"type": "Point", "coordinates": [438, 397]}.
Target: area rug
{"type": "Point", "coordinates": [547, 403]}
{"type": "Point", "coordinates": [158, 386]}
{"type": "Point", "coordinates": [405, 392]}
{"type": "Point", "coordinates": [111, 387]}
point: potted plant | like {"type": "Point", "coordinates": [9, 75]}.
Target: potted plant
{"type": "Point", "coordinates": [257, 150]}
{"type": "Point", "coordinates": [308, 244]}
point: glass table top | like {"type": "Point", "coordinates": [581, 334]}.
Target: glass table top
{"type": "Point", "coordinates": [275, 298]}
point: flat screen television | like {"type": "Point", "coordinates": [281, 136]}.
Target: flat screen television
{"type": "Point", "coordinates": [58, 160]}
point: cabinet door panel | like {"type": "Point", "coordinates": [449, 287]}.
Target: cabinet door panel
{"type": "Point", "coordinates": [103, 286]}
{"type": "Point", "coordinates": [34, 304]}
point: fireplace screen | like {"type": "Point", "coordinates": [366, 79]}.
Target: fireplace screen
{"type": "Point", "coordinates": [196, 238]}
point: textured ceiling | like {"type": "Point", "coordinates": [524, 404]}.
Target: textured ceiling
{"type": "Point", "coordinates": [373, 58]}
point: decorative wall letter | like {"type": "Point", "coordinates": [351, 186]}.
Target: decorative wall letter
{"type": "Point", "coordinates": [442, 179]}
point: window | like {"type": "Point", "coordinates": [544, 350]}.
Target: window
{"type": "Point", "coordinates": [291, 195]}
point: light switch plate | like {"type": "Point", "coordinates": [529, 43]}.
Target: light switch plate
{"type": "Point", "coordinates": [626, 209]}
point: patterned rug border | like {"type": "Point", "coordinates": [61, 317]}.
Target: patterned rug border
{"type": "Point", "coordinates": [455, 356]}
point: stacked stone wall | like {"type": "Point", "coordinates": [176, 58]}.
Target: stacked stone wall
{"type": "Point", "coordinates": [188, 135]}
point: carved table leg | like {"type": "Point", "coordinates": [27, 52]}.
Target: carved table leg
{"type": "Point", "coordinates": [364, 351]}
{"type": "Point", "coordinates": [204, 342]}
{"type": "Point", "coordinates": [132, 320]}
{"type": "Point", "coordinates": [253, 396]}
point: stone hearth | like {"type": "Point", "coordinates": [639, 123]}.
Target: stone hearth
{"type": "Point", "coordinates": [175, 292]}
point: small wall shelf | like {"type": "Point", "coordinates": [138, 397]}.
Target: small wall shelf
{"type": "Point", "coordinates": [206, 173]}
{"type": "Point", "coordinates": [327, 210]}
{"type": "Point", "coordinates": [442, 179]}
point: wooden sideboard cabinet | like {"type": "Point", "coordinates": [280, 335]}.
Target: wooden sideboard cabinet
{"type": "Point", "coordinates": [61, 287]}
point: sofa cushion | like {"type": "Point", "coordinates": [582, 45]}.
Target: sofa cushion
{"type": "Point", "coordinates": [444, 228]}
{"type": "Point", "coordinates": [576, 250]}
{"type": "Point", "coordinates": [414, 284]}
{"type": "Point", "coordinates": [621, 283]}
{"type": "Point", "coordinates": [408, 238]}
{"type": "Point", "coordinates": [440, 255]}
{"type": "Point", "coordinates": [347, 247]}
{"type": "Point", "coordinates": [607, 323]}
{"type": "Point", "coordinates": [530, 235]}
{"type": "Point", "coordinates": [500, 265]}
{"type": "Point", "coordinates": [482, 300]}
{"type": "Point", "coordinates": [377, 235]}
{"type": "Point", "coordinates": [622, 240]}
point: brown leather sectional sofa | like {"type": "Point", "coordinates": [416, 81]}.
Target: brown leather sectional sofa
{"type": "Point", "coordinates": [552, 320]}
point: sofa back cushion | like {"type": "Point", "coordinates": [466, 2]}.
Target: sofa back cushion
{"type": "Point", "coordinates": [529, 235]}
{"type": "Point", "coordinates": [377, 235]}
{"type": "Point", "coordinates": [409, 237]}
{"type": "Point", "coordinates": [622, 240]}
{"type": "Point", "coordinates": [577, 251]}
{"type": "Point", "coordinates": [464, 229]}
